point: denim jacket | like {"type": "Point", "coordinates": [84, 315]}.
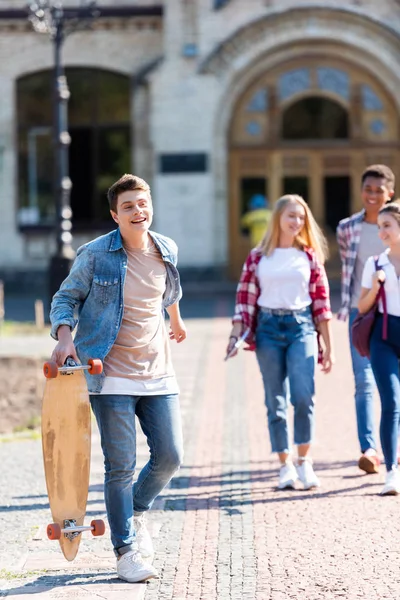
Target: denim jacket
{"type": "Point", "coordinates": [95, 288]}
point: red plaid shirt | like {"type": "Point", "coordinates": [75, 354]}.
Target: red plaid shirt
{"type": "Point", "coordinates": [248, 292]}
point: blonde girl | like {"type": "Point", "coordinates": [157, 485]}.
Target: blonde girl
{"type": "Point", "coordinates": [385, 353]}
{"type": "Point", "coordinates": [283, 299]}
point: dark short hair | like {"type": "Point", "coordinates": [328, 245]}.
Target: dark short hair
{"type": "Point", "coordinates": [380, 172]}
{"type": "Point", "coordinates": [126, 183]}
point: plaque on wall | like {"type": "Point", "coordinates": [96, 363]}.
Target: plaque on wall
{"type": "Point", "coordinates": [220, 4]}
{"type": "Point", "coordinates": [190, 162]}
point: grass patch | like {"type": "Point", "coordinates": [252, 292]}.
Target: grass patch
{"type": "Point", "coordinates": [12, 575]}
{"type": "Point", "coordinates": [20, 436]}
{"type": "Point", "coordinates": [31, 425]}
{"type": "Point", "coordinates": [15, 328]}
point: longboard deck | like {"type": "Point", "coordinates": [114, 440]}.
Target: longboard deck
{"type": "Point", "coordinates": [66, 438]}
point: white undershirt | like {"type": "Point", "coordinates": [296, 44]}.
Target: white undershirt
{"type": "Point", "coordinates": [284, 278]}
{"type": "Point", "coordinates": [136, 387]}
{"type": "Point", "coordinates": [392, 282]}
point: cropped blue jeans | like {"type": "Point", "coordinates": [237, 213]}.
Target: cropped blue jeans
{"type": "Point", "coordinates": [160, 419]}
{"type": "Point", "coordinates": [286, 351]}
{"type": "Point", "coordinates": [385, 355]}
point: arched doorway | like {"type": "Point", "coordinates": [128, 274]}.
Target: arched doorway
{"type": "Point", "coordinates": [312, 119]}
{"type": "Point", "coordinates": [100, 127]}
{"type": "Point", "coordinates": [315, 118]}
{"type": "Point", "coordinates": [307, 128]}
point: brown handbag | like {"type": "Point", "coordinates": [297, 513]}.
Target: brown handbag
{"type": "Point", "coordinates": [361, 328]}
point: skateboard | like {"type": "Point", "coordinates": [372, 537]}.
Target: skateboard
{"type": "Point", "coordinates": [66, 442]}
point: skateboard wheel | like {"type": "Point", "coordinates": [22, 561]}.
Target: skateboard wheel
{"type": "Point", "coordinates": [99, 527]}
{"type": "Point", "coordinates": [96, 366]}
{"type": "Point", "coordinates": [50, 370]}
{"type": "Point", "coordinates": [53, 531]}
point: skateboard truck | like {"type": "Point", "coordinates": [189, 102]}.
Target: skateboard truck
{"type": "Point", "coordinates": [51, 369]}
{"type": "Point", "coordinates": [70, 363]}
{"type": "Point", "coordinates": [71, 530]}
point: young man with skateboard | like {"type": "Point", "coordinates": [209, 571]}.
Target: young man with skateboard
{"type": "Point", "coordinates": [120, 283]}
{"type": "Point", "coordinates": [358, 240]}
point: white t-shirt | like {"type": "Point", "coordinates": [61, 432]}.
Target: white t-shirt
{"type": "Point", "coordinates": [284, 278]}
{"type": "Point", "coordinates": [135, 387]}
{"type": "Point", "coordinates": [392, 282]}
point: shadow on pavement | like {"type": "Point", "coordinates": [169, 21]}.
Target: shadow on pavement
{"type": "Point", "coordinates": [204, 501]}
{"type": "Point", "coordinates": [240, 494]}
{"type": "Point", "coordinates": [55, 582]}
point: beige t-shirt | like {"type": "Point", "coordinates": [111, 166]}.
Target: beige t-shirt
{"type": "Point", "coordinates": [140, 360]}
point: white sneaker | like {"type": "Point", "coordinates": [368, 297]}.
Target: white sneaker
{"type": "Point", "coordinates": [307, 475]}
{"type": "Point", "coordinates": [287, 476]}
{"type": "Point", "coordinates": [143, 538]}
{"type": "Point", "coordinates": [132, 568]}
{"type": "Point", "coordinates": [392, 483]}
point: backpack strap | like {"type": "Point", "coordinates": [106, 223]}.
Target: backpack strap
{"type": "Point", "coordinates": [382, 296]}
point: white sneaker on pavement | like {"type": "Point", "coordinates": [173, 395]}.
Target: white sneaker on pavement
{"type": "Point", "coordinates": [132, 568]}
{"type": "Point", "coordinates": [307, 474]}
{"type": "Point", "coordinates": [287, 476]}
{"type": "Point", "coordinates": [392, 483]}
{"type": "Point", "coordinates": [144, 542]}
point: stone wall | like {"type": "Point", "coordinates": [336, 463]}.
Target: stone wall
{"type": "Point", "coordinates": [186, 103]}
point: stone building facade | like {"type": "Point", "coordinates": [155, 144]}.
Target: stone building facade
{"type": "Point", "coordinates": [212, 101]}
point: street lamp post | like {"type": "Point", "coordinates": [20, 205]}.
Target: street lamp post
{"type": "Point", "coordinates": [49, 16]}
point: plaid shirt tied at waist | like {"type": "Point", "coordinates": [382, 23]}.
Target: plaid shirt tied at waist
{"type": "Point", "coordinates": [348, 234]}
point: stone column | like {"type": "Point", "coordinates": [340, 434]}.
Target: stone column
{"type": "Point", "coordinates": [355, 115]}
{"type": "Point", "coordinates": [11, 246]}
{"type": "Point", "coordinates": [142, 154]}
{"type": "Point", "coordinates": [275, 177]}
{"type": "Point", "coordinates": [317, 196]}
{"type": "Point", "coordinates": [357, 166]}
{"type": "Point", "coordinates": [274, 117]}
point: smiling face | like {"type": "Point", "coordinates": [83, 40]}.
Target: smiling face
{"type": "Point", "coordinates": [292, 220]}
{"type": "Point", "coordinates": [134, 213]}
{"type": "Point", "coordinates": [375, 192]}
{"type": "Point", "coordinates": [389, 229]}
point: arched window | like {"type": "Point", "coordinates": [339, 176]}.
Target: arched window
{"type": "Point", "coordinates": [315, 118]}
{"type": "Point", "coordinates": [99, 125]}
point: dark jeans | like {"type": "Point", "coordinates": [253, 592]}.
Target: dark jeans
{"type": "Point", "coordinates": [364, 393]}
{"type": "Point", "coordinates": [385, 356]}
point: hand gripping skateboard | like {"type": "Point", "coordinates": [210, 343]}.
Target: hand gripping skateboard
{"type": "Point", "coordinates": [66, 441]}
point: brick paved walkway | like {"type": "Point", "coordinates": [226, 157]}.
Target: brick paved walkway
{"type": "Point", "coordinates": [224, 532]}
{"type": "Point", "coordinates": [228, 534]}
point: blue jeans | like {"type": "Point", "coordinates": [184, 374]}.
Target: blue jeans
{"type": "Point", "coordinates": [385, 355]}
{"type": "Point", "coordinates": [286, 352]}
{"type": "Point", "coordinates": [364, 394]}
{"type": "Point", "coordinates": [160, 419]}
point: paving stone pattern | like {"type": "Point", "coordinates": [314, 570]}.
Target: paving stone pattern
{"type": "Point", "coordinates": [222, 531]}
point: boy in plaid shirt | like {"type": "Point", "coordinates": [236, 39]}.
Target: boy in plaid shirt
{"type": "Point", "coordinates": [358, 239]}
